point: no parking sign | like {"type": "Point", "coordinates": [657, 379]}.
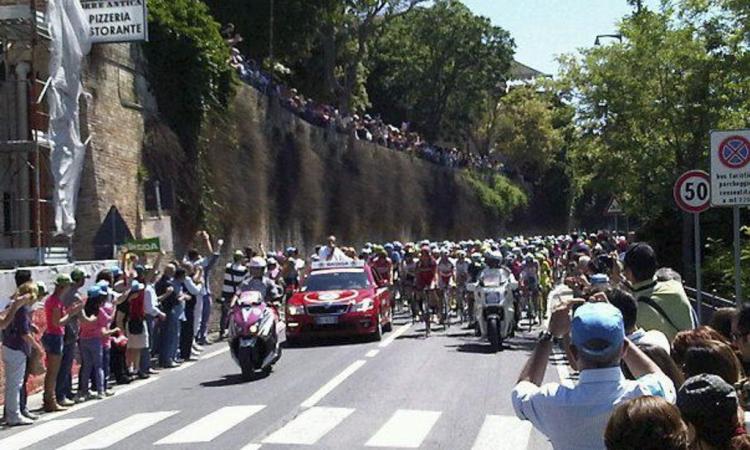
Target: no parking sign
{"type": "Point", "coordinates": [730, 168]}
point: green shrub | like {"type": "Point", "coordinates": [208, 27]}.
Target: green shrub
{"type": "Point", "coordinates": [188, 64]}
{"type": "Point", "coordinates": [496, 193]}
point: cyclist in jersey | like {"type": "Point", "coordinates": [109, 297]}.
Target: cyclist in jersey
{"type": "Point", "coordinates": [426, 283]}
{"type": "Point", "coordinates": [530, 283]}
{"type": "Point", "coordinates": [408, 280]}
{"type": "Point", "coordinates": [382, 267]}
{"type": "Point", "coordinates": [446, 274]}
{"type": "Point", "coordinates": [462, 277]}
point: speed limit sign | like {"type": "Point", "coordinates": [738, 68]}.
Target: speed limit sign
{"type": "Point", "coordinates": [692, 191]}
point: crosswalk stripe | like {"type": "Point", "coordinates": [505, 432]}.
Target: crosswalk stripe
{"type": "Point", "coordinates": [333, 383]}
{"type": "Point", "coordinates": [212, 425]}
{"type": "Point", "coordinates": [406, 428]}
{"type": "Point", "coordinates": [310, 426]}
{"type": "Point", "coordinates": [39, 433]}
{"type": "Point", "coordinates": [503, 431]}
{"type": "Point", "coordinates": [108, 436]}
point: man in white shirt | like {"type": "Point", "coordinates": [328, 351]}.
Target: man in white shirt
{"type": "Point", "coordinates": [331, 252]}
{"type": "Point", "coordinates": [575, 417]}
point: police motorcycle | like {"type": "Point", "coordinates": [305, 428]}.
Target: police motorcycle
{"type": "Point", "coordinates": [494, 306]}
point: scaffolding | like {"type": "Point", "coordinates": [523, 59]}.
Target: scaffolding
{"type": "Point", "coordinates": [25, 179]}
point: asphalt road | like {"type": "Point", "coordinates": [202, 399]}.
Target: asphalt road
{"type": "Point", "coordinates": [444, 392]}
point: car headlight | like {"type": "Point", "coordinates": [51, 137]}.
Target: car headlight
{"type": "Point", "coordinates": [365, 305]}
{"type": "Point", "coordinates": [295, 310]}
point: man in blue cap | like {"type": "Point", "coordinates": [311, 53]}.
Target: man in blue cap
{"type": "Point", "coordinates": [575, 416]}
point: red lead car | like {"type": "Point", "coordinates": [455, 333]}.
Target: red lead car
{"type": "Point", "coordinates": [339, 298]}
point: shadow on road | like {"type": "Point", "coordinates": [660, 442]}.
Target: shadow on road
{"type": "Point", "coordinates": [474, 347]}
{"type": "Point", "coordinates": [328, 342]}
{"type": "Point", "coordinates": [226, 380]}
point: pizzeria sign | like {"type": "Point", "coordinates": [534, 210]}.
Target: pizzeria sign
{"type": "Point", "coordinates": [116, 20]}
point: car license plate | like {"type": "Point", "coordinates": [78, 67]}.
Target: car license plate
{"type": "Point", "coordinates": [327, 320]}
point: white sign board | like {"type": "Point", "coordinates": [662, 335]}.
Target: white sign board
{"type": "Point", "coordinates": [730, 168]}
{"type": "Point", "coordinates": [614, 208]}
{"type": "Point", "coordinates": [116, 20]}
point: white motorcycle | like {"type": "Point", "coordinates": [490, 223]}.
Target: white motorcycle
{"type": "Point", "coordinates": [494, 308]}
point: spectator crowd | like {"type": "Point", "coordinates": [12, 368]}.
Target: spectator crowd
{"type": "Point", "coordinates": [128, 318]}
{"type": "Point", "coordinates": [361, 127]}
{"type": "Point", "coordinates": [648, 375]}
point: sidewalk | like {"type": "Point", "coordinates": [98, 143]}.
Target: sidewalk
{"type": "Point", "coordinates": [35, 401]}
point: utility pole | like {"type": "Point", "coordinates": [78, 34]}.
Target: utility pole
{"type": "Point", "coordinates": [270, 34]}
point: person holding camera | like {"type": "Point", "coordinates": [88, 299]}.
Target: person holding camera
{"type": "Point", "coordinates": [575, 417]}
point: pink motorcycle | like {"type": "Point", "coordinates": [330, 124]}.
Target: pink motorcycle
{"type": "Point", "coordinates": [255, 335]}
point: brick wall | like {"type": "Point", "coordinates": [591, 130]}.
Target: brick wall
{"type": "Point", "coordinates": [114, 121]}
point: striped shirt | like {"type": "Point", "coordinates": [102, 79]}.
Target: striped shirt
{"type": "Point", "coordinates": [233, 276]}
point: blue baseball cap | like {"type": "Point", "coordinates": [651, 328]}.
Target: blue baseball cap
{"type": "Point", "coordinates": [136, 286]}
{"type": "Point", "coordinates": [599, 278]}
{"type": "Point", "coordinates": [116, 271]}
{"type": "Point", "coordinates": [95, 291]}
{"type": "Point", "coordinates": [597, 330]}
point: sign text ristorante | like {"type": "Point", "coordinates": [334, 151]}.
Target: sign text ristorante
{"type": "Point", "coordinates": [116, 20]}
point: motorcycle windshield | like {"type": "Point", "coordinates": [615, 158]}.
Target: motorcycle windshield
{"type": "Point", "coordinates": [495, 278]}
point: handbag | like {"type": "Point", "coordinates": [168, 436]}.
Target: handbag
{"type": "Point", "coordinates": [136, 326]}
{"type": "Point", "coordinates": [36, 366]}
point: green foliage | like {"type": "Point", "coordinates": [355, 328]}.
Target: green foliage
{"type": "Point", "coordinates": [718, 271]}
{"type": "Point", "coordinates": [188, 64]}
{"type": "Point", "coordinates": [521, 127]}
{"type": "Point", "coordinates": [190, 76]}
{"type": "Point", "coordinates": [434, 66]}
{"type": "Point", "coordinates": [496, 193]}
{"type": "Point", "coordinates": [645, 106]}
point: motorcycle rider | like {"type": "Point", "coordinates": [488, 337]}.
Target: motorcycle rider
{"type": "Point", "coordinates": [257, 280]}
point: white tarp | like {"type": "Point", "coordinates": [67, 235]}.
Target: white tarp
{"type": "Point", "coordinates": [69, 30]}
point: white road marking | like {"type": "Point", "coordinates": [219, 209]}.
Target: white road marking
{"type": "Point", "coordinates": [508, 430]}
{"type": "Point", "coordinates": [108, 436]}
{"type": "Point", "coordinates": [39, 433]}
{"type": "Point", "coordinates": [406, 428]}
{"type": "Point", "coordinates": [331, 385]}
{"type": "Point", "coordinates": [212, 425]}
{"type": "Point", "coordinates": [372, 353]}
{"type": "Point", "coordinates": [401, 330]}
{"type": "Point", "coordinates": [310, 426]}
{"type": "Point", "coordinates": [125, 389]}
{"type": "Point", "coordinates": [251, 447]}
{"type": "Point", "coordinates": [185, 365]}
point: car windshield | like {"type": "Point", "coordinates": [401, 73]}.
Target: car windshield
{"type": "Point", "coordinates": [334, 281]}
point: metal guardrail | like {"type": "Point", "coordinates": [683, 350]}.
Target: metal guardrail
{"type": "Point", "coordinates": [709, 303]}
{"type": "Point", "coordinates": [710, 300]}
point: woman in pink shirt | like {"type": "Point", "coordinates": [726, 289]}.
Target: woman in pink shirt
{"type": "Point", "coordinates": [52, 339]}
{"type": "Point", "coordinates": [94, 330]}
